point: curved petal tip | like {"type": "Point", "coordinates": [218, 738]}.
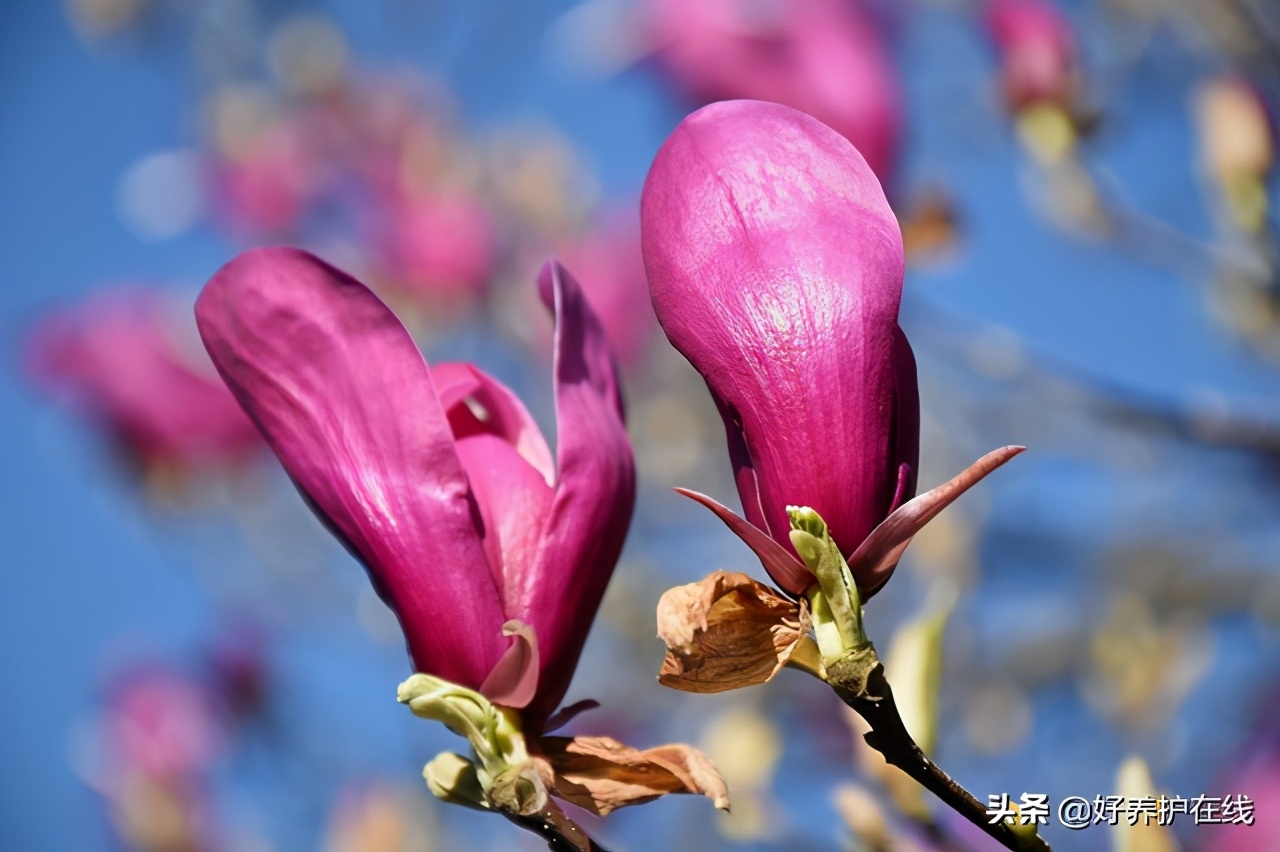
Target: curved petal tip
{"type": "Point", "coordinates": [789, 573]}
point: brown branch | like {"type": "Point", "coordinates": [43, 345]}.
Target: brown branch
{"type": "Point", "coordinates": [889, 736]}
{"type": "Point", "coordinates": [561, 833]}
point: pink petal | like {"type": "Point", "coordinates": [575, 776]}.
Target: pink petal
{"type": "Point", "coordinates": [466, 390]}
{"type": "Point", "coordinates": [873, 562]}
{"type": "Point", "coordinates": [595, 493]}
{"type": "Point", "coordinates": [514, 502]}
{"type": "Point", "coordinates": [514, 680]}
{"type": "Point", "coordinates": [119, 356]}
{"type": "Point", "coordinates": [905, 450]}
{"type": "Point", "coordinates": [787, 571]}
{"type": "Point", "coordinates": [775, 266]}
{"type": "Point", "coordinates": [744, 474]}
{"type": "Point", "coordinates": [344, 398]}
{"type": "Point", "coordinates": [1037, 50]}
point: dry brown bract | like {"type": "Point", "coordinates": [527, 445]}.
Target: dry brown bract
{"type": "Point", "coordinates": [726, 631]}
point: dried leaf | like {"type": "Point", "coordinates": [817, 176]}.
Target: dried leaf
{"type": "Point", "coordinates": [601, 774]}
{"type": "Point", "coordinates": [727, 631]}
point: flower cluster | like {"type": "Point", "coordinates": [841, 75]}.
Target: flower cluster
{"type": "Point", "coordinates": [775, 266]}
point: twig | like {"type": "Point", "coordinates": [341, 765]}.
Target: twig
{"type": "Point", "coordinates": [889, 736]}
{"type": "Point", "coordinates": [561, 833]}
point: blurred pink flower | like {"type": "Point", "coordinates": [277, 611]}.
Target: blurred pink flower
{"type": "Point", "coordinates": [437, 478]}
{"type": "Point", "coordinates": [611, 267]}
{"type": "Point", "coordinates": [160, 734]}
{"type": "Point", "coordinates": [1257, 777]}
{"type": "Point", "coordinates": [1037, 52]}
{"type": "Point", "coordinates": [437, 246]}
{"type": "Point", "coordinates": [823, 57]}
{"type": "Point", "coordinates": [775, 266]}
{"type": "Point", "coordinates": [120, 355]}
{"type": "Point", "coordinates": [265, 188]}
{"type": "Point", "coordinates": [161, 724]}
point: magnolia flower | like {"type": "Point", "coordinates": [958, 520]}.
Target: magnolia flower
{"type": "Point", "coordinates": [123, 356]}
{"type": "Point", "coordinates": [1237, 147]}
{"type": "Point", "coordinates": [1037, 52]}
{"type": "Point", "coordinates": [493, 554]}
{"type": "Point", "coordinates": [157, 740]}
{"type": "Point", "coordinates": [436, 247]}
{"type": "Point", "coordinates": [775, 266]}
{"type": "Point", "coordinates": [1252, 783]}
{"type": "Point", "coordinates": [267, 184]}
{"type": "Point", "coordinates": [825, 57]}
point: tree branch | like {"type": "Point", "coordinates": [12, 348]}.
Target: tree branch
{"type": "Point", "coordinates": [889, 736]}
{"type": "Point", "coordinates": [561, 833]}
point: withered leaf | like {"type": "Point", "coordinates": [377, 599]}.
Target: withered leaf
{"type": "Point", "coordinates": [727, 631]}
{"type": "Point", "coordinates": [601, 774]}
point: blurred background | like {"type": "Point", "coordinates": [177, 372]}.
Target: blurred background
{"type": "Point", "coordinates": [187, 660]}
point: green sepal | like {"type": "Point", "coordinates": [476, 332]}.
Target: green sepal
{"type": "Point", "coordinates": [839, 605]}
{"type": "Point", "coordinates": [503, 770]}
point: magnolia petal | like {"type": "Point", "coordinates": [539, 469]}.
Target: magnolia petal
{"type": "Point", "coordinates": [513, 500]}
{"type": "Point", "coordinates": [489, 407]}
{"type": "Point", "coordinates": [601, 774]}
{"type": "Point", "coordinates": [121, 355]}
{"type": "Point", "coordinates": [905, 448]}
{"type": "Point", "coordinates": [727, 631]}
{"type": "Point", "coordinates": [514, 680]}
{"type": "Point", "coordinates": [789, 573]}
{"type": "Point", "coordinates": [595, 493]}
{"type": "Point", "coordinates": [874, 560]}
{"type": "Point", "coordinates": [344, 398]}
{"type": "Point", "coordinates": [775, 266]}
{"type": "Point", "coordinates": [744, 474]}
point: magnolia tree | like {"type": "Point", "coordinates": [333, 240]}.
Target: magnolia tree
{"type": "Point", "coordinates": [775, 266]}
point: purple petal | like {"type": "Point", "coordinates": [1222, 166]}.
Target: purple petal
{"type": "Point", "coordinates": [344, 398]}
{"type": "Point", "coordinates": [775, 266]}
{"type": "Point", "coordinates": [507, 463]}
{"type": "Point", "coordinates": [744, 475]}
{"type": "Point", "coordinates": [905, 450]}
{"type": "Point", "coordinates": [514, 502]}
{"type": "Point", "coordinates": [595, 493]}
{"type": "Point", "coordinates": [120, 355]}
{"type": "Point", "coordinates": [873, 562]}
{"type": "Point", "coordinates": [514, 680]}
{"type": "Point", "coordinates": [787, 571]}
{"type": "Point", "coordinates": [502, 411]}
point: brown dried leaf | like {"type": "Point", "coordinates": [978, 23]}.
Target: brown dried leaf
{"type": "Point", "coordinates": [601, 774]}
{"type": "Point", "coordinates": [727, 631]}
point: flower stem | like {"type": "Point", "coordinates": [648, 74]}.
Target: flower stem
{"type": "Point", "coordinates": [889, 736]}
{"type": "Point", "coordinates": [561, 833]}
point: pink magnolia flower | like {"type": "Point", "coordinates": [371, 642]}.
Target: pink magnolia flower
{"type": "Point", "coordinates": [824, 57]}
{"type": "Point", "coordinates": [1257, 777]}
{"type": "Point", "coordinates": [611, 266]}
{"type": "Point", "coordinates": [436, 246]}
{"type": "Point", "coordinates": [775, 266]}
{"type": "Point", "coordinates": [1037, 52]}
{"type": "Point", "coordinates": [159, 737]}
{"type": "Point", "coordinates": [121, 356]}
{"type": "Point", "coordinates": [162, 724]}
{"type": "Point", "coordinates": [267, 186]}
{"type": "Point", "coordinates": [437, 478]}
